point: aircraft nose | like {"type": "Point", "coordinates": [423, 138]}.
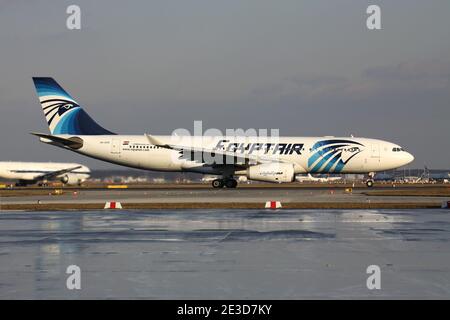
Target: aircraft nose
{"type": "Point", "coordinates": [408, 157]}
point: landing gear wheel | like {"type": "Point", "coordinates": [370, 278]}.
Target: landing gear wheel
{"type": "Point", "coordinates": [369, 183]}
{"type": "Point", "coordinates": [217, 183]}
{"type": "Point", "coordinates": [231, 183]}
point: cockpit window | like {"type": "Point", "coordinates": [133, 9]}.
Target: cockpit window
{"type": "Point", "coordinates": [397, 149]}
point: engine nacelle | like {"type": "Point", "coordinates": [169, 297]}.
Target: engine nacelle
{"type": "Point", "coordinates": [272, 172]}
{"type": "Point", "coordinates": [65, 179]}
{"type": "Point", "coordinates": [71, 179]}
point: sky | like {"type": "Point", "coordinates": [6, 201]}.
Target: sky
{"type": "Point", "coordinates": [307, 68]}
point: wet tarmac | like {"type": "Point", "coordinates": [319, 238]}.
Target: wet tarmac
{"type": "Point", "coordinates": [225, 254]}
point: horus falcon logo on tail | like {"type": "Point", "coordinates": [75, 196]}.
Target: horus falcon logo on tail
{"type": "Point", "coordinates": [63, 114]}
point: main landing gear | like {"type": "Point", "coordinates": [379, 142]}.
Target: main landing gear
{"type": "Point", "coordinates": [220, 183]}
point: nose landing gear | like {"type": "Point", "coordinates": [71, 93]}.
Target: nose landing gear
{"type": "Point", "coordinates": [370, 182]}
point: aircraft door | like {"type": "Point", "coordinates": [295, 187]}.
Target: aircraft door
{"type": "Point", "coordinates": [115, 146]}
{"type": "Point", "coordinates": [375, 151]}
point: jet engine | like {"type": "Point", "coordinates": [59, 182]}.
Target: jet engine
{"type": "Point", "coordinates": [272, 172]}
{"type": "Point", "coordinates": [70, 179]}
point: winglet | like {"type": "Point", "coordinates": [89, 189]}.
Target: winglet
{"type": "Point", "coordinates": [157, 142]}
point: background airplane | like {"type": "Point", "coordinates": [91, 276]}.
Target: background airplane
{"type": "Point", "coordinates": [257, 158]}
{"type": "Point", "coordinates": [439, 177]}
{"type": "Point", "coordinates": [429, 176]}
{"type": "Point", "coordinates": [26, 173]}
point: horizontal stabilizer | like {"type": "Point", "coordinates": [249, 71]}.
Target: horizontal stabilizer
{"type": "Point", "coordinates": [73, 142]}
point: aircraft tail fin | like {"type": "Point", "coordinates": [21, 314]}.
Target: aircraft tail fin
{"type": "Point", "coordinates": [63, 114]}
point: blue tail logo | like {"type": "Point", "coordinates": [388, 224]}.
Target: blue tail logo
{"type": "Point", "coordinates": [332, 155]}
{"type": "Point", "coordinates": [63, 114]}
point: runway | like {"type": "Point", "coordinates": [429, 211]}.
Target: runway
{"type": "Point", "coordinates": [331, 197]}
{"type": "Point", "coordinates": [225, 254]}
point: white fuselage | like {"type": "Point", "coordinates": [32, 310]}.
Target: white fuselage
{"type": "Point", "coordinates": [356, 155]}
{"type": "Point", "coordinates": [31, 171]}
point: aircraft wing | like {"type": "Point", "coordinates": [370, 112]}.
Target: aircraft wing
{"type": "Point", "coordinates": [54, 174]}
{"type": "Point", "coordinates": [239, 159]}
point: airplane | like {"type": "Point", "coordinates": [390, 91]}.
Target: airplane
{"type": "Point", "coordinates": [258, 158]}
{"type": "Point", "coordinates": [41, 173]}
{"type": "Point", "coordinates": [429, 176]}
{"type": "Point", "coordinates": [439, 177]}
{"type": "Point", "coordinates": [310, 178]}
